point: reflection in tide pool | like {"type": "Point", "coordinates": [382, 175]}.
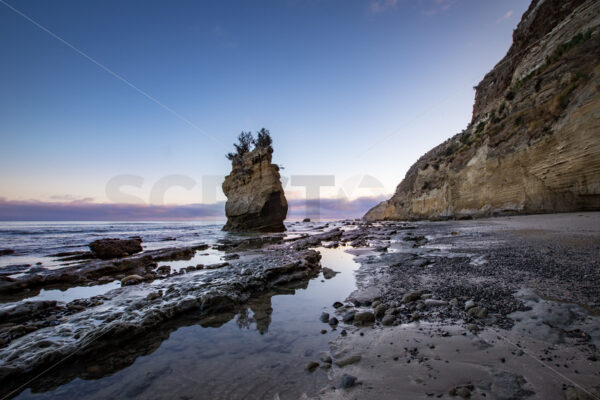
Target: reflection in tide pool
{"type": "Point", "coordinates": [78, 292]}
{"type": "Point", "coordinates": [204, 257]}
{"type": "Point", "coordinates": [259, 351]}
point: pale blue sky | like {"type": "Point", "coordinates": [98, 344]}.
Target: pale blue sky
{"type": "Point", "coordinates": [347, 88]}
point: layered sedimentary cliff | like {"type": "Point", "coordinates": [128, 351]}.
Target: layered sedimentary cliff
{"type": "Point", "coordinates": [533, 144]}
{"type": "Point", "coordinates": [255, 197]}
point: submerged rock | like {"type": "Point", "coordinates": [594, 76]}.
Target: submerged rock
{"type": "Point", "coordinates": [255, 197]}
{"type": "Point", "coordinates": [106, 249]}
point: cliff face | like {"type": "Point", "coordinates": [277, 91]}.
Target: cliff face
{"type": "Point", "coordinates": [533, 144]}
{"type": "Point", "coordinates": [255, 197]}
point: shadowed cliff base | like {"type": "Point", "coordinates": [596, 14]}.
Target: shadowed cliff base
{"type": "Point", "coordinates": [533, 144]}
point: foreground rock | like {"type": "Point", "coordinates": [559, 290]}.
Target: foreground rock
{"type": "Point", "coordinates": [255, 197]}
{"type": "Point", "coordinates": [106, 249]}
{"type": "Point", "coordinates": [532, 145]}
{"type": "Point", "coordinates": [133, 312]}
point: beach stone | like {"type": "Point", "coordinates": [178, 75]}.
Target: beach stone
{"type": "Point", "coordinates": [478, 312]}
{"type": "Point", "coordinates": [326, 358]}
{"type": "Point", "coordinates": [324, 317]}
{"type": "Point", "coordinates": [131, 280]}
{"type": "Point", "coordinates": [435, 303]}
{"type": "Point", "coordinates": [306, 220]}
{"type": "Point", "coordinates": [216, 266]}
{"type": "Point", "coordinates": [311, 366]}
{"type": "Point", "coordinates": [412, 296]}
{"type": "Point", "coordinates": [106, 249]}
{"type": "Point", "coordinates": [348, 317]}
{"type": "Point", "coordinates": [342, 362]}
{"type": "Point", "coordinates": [328, 273]}
{"type": "Point", "coordinates": [233, 256]}
{"type": "Point", "coordinates": [463, 392]}
{"type": "Point", "coordinates": [469, 304]}
{"type": "Point", "coordinates": [365, 297]}
{"type": "Point", "coordinates": [333, 321]}
{"type": "Point", "coordinates": [388, 320]}
{"type": "Point", "coordinates": [5, 252]}
{"type": "Point", "coordinates": [380, 310]}
{"type": "Point", "coordinates": [154, 295]}
{"type": "Point", "coordinates": [509, 386]}
{"type": "Point", "coordinates": [164, 269]}
{"type": "Point", "coordinates": [365, 317]}
{"type": "Point", "coordinates": [347, 381]}
{"type": "Point", "coordinates": [337, 304]}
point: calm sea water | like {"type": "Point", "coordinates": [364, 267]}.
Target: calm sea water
{"type": "Point", "coordinates": [35, 242]}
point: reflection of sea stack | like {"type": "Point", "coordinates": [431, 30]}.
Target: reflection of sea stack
{"type": "Point", "coordinates": [255, 198]}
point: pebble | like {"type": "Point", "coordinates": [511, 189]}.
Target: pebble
{"type": "Point", "coordinates": [326, 358]}
{"type": "Point", "coordinates": [333, 321]}
{"type": "Point", "coordinates": [311, 366]}
{"type": "Point", "coordinates": [337, 304]}
{"type": "Point", "coordinates": [324, 317]}
{"type": "Point", "coordinates": [435, 303]}
{"type": "Point", "coordinates": [348, 317]}
{"type": "Point", "coordinates": [469, 304]}
{"type": "Point", "coordinates": [131, 280]}
{"type": "Point", "coordinates": [478, 312]}
{"type": "Point", "coordinates": [380, 310]}
{"type": "Point", "coordinates": [154, 295]}
{"type": "Point", "coordinates": [342, 362]}
{"type": "Point", "coordinates": [412, 296]}
{"type": "Point", "coordinates": [463, 392]}
{"type": "Point", "coordinates": [347, 381]}
{"type": "Point", "coordinates": [388, 320]}
{"type": "Point", "coordinates": [365, 317]}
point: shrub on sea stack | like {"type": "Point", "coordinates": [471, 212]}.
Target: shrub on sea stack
{"type": "Point", "coordinates": [255, 198]}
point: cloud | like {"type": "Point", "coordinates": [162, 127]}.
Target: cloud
{"type": "Point", "coordinates": [378, 6]}
{"type": "Point", "coordinates": [79, 210]}
{"type": "Point", "coordinates": [83, 210]}
{"type": "Point", "coordinates": [71, 198]}
{"type": "Point", "coordinates": [332, 208]}
{"type": "Point", "coordinates": [506, 16]}
{"type": "Point", "coordinates": [432, 7]}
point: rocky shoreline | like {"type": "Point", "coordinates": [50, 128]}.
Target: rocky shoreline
{"type": "Point", "coordinates": [460, 307]}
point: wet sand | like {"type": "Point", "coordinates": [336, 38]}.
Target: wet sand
{"type": "Point", "coordinates": [536, 276]}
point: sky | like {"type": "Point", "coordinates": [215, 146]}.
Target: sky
{"type": "Point", "coordinates": [137, 102]}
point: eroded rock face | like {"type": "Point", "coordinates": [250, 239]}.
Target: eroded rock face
{"type": "Point", "coordinates": [533, 144]}
{"type": "Point", "coordinates": [255, 198]}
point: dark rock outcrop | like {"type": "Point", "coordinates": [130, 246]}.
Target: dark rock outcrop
{"type": "Point", "coordinates": [255, 198]}
{"type": "Point", "coordinates": [533, 144]}
{"type": "Point", "coordinates": [105, 249]}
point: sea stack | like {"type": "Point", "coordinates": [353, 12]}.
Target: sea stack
{"type": "Point", "coordinates": [255, 198]}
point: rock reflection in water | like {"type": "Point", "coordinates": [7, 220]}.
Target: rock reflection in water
{"type": "Point", "coordinates": [259, 350]}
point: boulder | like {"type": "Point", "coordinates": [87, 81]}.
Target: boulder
{"type": "Point", "coordinates": [131, 280]}
{"type": "Point", "coordinates": [255, 198]}
{"type": "Point", "coordinates": [106, 249]}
